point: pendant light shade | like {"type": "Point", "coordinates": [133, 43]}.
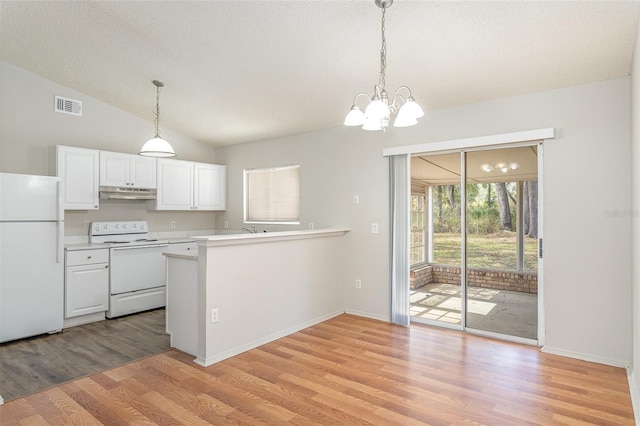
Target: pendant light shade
{"type": "Point", "coordinates": [156, 146]}
{"type": "Point", "coordinates": [355, 117]}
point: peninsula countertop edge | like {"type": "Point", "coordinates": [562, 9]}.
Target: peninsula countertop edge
{"type": "Point", "coordinates": [267, 237]}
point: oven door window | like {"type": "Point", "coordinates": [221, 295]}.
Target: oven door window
{"type": "Point", "coordinates": [137, 268]}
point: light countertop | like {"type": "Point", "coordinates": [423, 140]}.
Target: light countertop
{"type": "Point", "coordinates": [182, 254]}
{"type": "Point", "coordinates": [85, 246]}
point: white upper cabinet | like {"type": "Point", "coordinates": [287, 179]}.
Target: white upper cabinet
{"type": "Point", "coordinates": [210, 183]}
{"type": "Point", "coordinates": [175, 185]}
{"type": "Point", "coordinates": [185, 185]}
{"type": "Point", "coordinates": [127, 170]}
{"type": "Point", "coordinates": [79, 170]}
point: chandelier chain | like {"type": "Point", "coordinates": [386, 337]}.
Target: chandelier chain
{"type": "Point", "coordinates": [383, 53]}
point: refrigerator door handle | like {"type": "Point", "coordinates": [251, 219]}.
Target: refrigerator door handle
{"type": "Point", "coordinates": [60, 242]}
{"type": "Point", "coordinates": [60, 225]}
{"type": "Point", "coordinates": [60, 206]}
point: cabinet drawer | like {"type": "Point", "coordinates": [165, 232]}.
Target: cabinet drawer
{"type": "Point", "coordinates": [87, 257]}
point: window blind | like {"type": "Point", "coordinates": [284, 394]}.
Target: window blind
{"type": "Point", "coordinates": [273, 195]}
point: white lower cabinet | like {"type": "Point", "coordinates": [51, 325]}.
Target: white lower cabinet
{"type": "Point", "coordinates": [86, 282]}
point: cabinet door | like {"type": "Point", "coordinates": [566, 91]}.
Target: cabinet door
{"type": "Point", "coordinates": [86, 289]}
{"type": "Point", "coordinates": [78, 168]}
{"type": "Point", "coordinates": [175, 185]}
{"type": "Point", "coordinates": [142, 172]}
{"type": "Point", "coordinates": [127, 170]}
{"type": "Point", "coordinates": [210, 184]}
{"type": "Point", "coordinates": [114, 169]}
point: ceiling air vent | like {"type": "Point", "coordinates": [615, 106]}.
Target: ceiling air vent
{"type": "Point", "coordinates": [68, 106]}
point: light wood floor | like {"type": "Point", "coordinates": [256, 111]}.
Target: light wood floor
{"type": "Point", "coordinates": [347, 370]}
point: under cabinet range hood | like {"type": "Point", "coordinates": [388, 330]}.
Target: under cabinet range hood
{"type": "Point", "coordinates": [123, 193]}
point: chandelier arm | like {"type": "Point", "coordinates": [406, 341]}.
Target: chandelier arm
{"type": "Point", "coordinates": [377, 91]}
{"type": "Point", "coordinates": [403, 87]}
{"type": "Point", "coordinates": [397, 95]}
{"type": "Point", "coordinates": [355, 98]}
{"type": "Point", "coordinates": [394, 106]}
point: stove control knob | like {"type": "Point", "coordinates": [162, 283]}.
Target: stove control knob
{"type": "Point", "coordinates": [124, 226]}
{"type": "Point", "coordinates": [135, 225]}
{"type": "Point", "coordinates": [117, 226]}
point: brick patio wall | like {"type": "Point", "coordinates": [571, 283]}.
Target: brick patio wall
{"type": "Point", "coordinates": [523, 282]}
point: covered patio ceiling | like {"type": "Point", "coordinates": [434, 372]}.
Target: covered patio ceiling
{"type": "Point", "coordinates": [520, 164]}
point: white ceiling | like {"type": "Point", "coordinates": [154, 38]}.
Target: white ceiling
{"type": "Point", "coordinates": [237, 71]}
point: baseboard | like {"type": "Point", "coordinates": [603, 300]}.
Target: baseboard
{"type": "Point", "coordinates": [367, 315]}
{"type": "Point", "coordinates": [83, 319]}
{"type": "Point", "coordinates": [275, 336]}
{"type": "Point", "coordinates": [634, 384]}
{"type": "Point", "coordinates": [585, 357]}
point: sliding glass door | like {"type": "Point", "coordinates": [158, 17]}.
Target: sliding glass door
{"type": "Point", "coordinates": [474, 240]}
{"type": "Point", "coordinates": [435, 277]}
{"type": "Point", "coordinates": [501, 241]}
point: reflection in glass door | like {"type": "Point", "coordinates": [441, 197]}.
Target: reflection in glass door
{"type": "Point", "coordinates": [501, 241]}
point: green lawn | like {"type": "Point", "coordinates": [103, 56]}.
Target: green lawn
{"type": "Point", "coordinates": [495, 251]}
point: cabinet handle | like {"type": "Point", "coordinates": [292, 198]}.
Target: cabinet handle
{"type": "Point", "coordinates": [88, 257]}
{"type": "Point", "coordinates": [106, 266]}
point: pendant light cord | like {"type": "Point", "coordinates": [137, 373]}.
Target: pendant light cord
{"type": "Point", "coordinates": [157, 111]}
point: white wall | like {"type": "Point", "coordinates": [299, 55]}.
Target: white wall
{"type": "Point", "coordinates": [588, 261]}
{"type": "Point", "coordinates": [635, 219]}
{"type": "Point", "coordinates": [333, 167]}
{"type": "Point", "coordinates": [29, 127]}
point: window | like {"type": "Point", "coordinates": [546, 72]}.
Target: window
{"type": "Point", "coordinates": [417, 254]}
{"type": "Point", "coordinates": [272, 195]}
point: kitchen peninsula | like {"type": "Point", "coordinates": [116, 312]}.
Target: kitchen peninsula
{"type": "Point", "coordinates": [243, 290]}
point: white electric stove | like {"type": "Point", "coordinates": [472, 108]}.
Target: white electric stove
{"type": "Point", "coordinates": [137, 278]}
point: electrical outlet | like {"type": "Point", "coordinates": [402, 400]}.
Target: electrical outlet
{"type": "Point", "coordinates": [358, 283]}
{"type": "Point", "coordinates": [214, 315]}
{"type": "Point", "coordinates": [226, 224]}
{"type": "Point", "coordinates": [311, 226]}
{"type": "Point", "coordinates": [356, 199]}
{"type": "Point", "coordinates": [374, 228]}
{"type": "Point", "coordinates": [173, 224]}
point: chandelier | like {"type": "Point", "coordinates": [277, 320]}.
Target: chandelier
{"type": "Point", "coordinates": [156, 146]}
{"type": "Point", "coordinates": [377, 114]}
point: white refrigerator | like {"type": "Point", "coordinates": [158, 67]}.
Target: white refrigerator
{"type": "Point", "coordinates": [31, 256]}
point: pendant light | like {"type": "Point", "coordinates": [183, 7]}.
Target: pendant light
{"type": "Point", "coordinates": [377, 114]}
{"type": "Point", "coordinates": [156, 146]}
